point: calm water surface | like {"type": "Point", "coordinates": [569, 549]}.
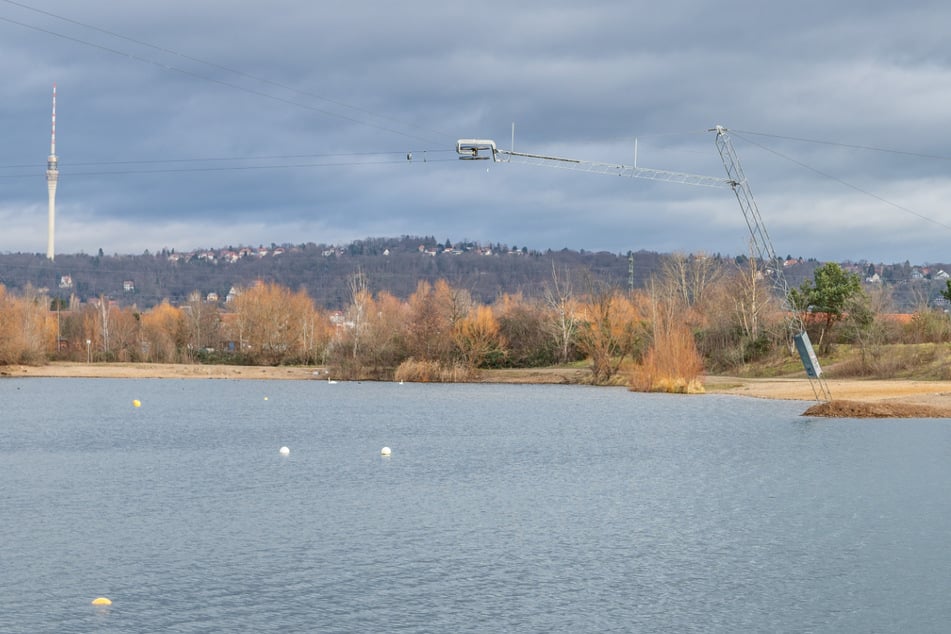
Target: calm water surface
{"type": "Point", "coordinates": [501, 509]}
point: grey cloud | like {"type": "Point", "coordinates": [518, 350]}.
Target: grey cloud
{"type": "Point", "coordinates": [579, 81]}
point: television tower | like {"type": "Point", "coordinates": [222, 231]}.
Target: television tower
{"type": "Point", "coordinates": [52, 175]}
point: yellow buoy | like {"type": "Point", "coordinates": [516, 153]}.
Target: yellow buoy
{"type": "Point", "coordinates": [136, 403]}
{"type": "Point", "coordinates": [101, 601]}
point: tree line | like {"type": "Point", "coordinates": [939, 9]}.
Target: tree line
{"type": "Point", "coordinates": [694, 315]}
{"type": "Point", "coordinates": [392, 265]}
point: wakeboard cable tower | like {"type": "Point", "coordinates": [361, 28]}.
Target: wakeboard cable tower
{"type": "Point", "coordinates": [486, 149]}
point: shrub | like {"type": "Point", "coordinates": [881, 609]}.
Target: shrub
{"type": "Point", "coordinates": [672, 364]}
{"type": "Point", "coordinates": [432, 372]}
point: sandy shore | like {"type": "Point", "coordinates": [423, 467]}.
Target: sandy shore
{"type": "Point", "coordinates": [159, 371]}
{"type": "Point", "coordinates": [934, 394]}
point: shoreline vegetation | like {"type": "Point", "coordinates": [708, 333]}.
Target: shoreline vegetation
{"type": "Point", "coordinates": [852, 398]}
{"type": "Point", "coordinates": [698, 323]}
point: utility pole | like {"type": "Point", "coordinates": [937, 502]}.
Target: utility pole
{"type": "Point", "coordinates": [630, 271]}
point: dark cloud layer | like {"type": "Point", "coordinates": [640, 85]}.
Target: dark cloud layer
{"type": "Point", "coordinates": [309, 110]}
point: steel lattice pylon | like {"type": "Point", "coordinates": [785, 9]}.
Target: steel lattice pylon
{"type": "Point", "coordinates": [767, 255]}
{"type": "Point", "coordinates": [484, 149]}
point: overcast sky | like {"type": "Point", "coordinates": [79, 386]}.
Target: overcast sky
{"type": "Point", "coordinates": [203, 124]}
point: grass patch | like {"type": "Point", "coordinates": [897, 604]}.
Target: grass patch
{"type": "Point", "coordinates": [922, 362]}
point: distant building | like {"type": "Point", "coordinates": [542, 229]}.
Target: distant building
{"type": "Point", "coordinates": [66, 281]}
{"type": "Point", "coordinates": [128, 286]}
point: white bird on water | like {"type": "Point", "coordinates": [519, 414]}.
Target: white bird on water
{"type": "Point", "coordinates": [331, 381]}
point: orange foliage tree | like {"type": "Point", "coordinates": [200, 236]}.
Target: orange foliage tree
{"type": "Point", "coordinates": [432, 313]}
{"type": "Point", "coordinates": [27, 328]}
{"type": "Point", "coordinates": [385, 334]}
{"type": "Point", "coordinates": [671, 362]}
{"type": "Point", "coordinates": [368, 342]}
{"type": "Point", "coordinates": [477, 337]}
{"type": "Point", "coordinates": [609, 332]}
{"type": "Point", "coordinates": [162, 333]}
{"type": "Point", "coordinates": [274, 325]}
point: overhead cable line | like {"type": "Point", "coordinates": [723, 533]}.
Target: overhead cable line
{"type": "Point", "coordinates": [241, 158]}
{"type": "Point", "coordinates": [843, 182]}
{"type": "Point", "coordinates": [218, 66]}
{"type": "Point", "coordinates": [214, 80]}
{"type": "Point", "coordinates": [228, 168]}
{"type": "Point", "coordinates": [263, 158]}
{"type": "Point", "coordinates": [870, 148]}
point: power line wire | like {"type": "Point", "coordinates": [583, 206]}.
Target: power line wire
{"type": "Point", "coordinates": [843, 182]}
{"type": "Point", "coordinates": [235, 158]}
{"type": "Point", "coordinates": [67, 173]}
{"type": "Point", "coordinates": [218, 66]}
{"type": "Point", "coordinates": [870, 148]}
{"type": "Point", "coordinates": [214, 80]}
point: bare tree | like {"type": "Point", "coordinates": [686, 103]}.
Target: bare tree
{"type": "Point", "coordinates": [202, 323]}
{"type": "Point", "coordinates": [690, 277]}
{"type": "Point", "coordinates": [104, 314]}
{"type": "Point", "coordinates": [610, 332]}
{"type": "Point", "coordinates": [357, 313]}
{"type": "Point", "coordinates": [751, 298]}
{"type": "Point", "coordinates": [564, 321]}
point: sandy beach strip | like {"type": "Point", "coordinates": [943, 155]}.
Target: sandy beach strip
{"type": "Point", "coordinates": [929, 393]}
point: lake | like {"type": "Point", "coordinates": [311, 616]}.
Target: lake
{"type": "Point", "coordinates": [501, 509]}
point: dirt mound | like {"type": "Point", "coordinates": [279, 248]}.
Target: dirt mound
{"type": "Point", "coordinates": [880, 409]}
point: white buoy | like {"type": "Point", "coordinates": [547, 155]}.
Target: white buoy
{"type": "Point", "coordinates": [385, 451]}
{"type": "Point", "coordinates": [285, 451]}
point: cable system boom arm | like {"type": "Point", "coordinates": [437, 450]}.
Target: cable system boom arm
{"type": "Point", "coordinates": [486, 149]}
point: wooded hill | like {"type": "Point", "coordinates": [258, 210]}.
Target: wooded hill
{"type": "Point", "coordinates": [395, 265]}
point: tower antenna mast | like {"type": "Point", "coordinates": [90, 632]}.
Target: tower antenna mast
{"type": "Point", "coordinates": [52, 176]}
